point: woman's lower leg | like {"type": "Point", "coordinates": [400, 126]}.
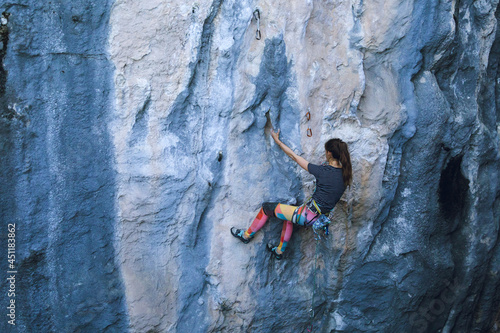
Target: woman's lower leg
{"type": "Point", "coordinates": [269, 209]}
{"type": "Point", "coordinates": [286, 234]}
{"type": "Point", "coordinates": [256, 225]}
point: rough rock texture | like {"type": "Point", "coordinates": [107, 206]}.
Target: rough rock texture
{"type": "Point", "coordinates": [134, 134]}
{"type": "Point", "coordinates": [57, 168]}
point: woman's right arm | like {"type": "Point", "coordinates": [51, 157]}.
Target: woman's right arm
{"type": "Point", "coordinates": [300, 160]}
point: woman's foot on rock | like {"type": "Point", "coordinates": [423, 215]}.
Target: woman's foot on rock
{"type": "Point", "coordinates": [240, 234]}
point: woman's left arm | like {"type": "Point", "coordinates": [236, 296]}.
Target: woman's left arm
{"type": "Point", "coordinates": [300, 160]}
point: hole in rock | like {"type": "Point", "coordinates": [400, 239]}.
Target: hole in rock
{"type": "Point", "coordinates": [269, 125]}
{"type": "Point", "coordinates": [453, 187]}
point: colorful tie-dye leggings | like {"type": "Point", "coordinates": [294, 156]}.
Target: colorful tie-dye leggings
{"type": "Point", "coordinates": [300, 215]}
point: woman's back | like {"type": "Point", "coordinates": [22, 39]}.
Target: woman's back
{"type": "Point", "coordinates": [329, 186]}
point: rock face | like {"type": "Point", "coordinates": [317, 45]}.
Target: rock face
{"type": "Point", "coordinates": [58, 178]}
{"type": "Point", "coordinates": [134, 134]}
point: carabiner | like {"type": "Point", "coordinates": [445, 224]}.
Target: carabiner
{"type": "Point", "coordinates": [257, 35]}
{"type": "Point", "coordinates": [256, 14]}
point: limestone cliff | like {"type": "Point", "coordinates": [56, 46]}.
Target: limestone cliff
{"type": "Point", "coordinates": [134, 134]}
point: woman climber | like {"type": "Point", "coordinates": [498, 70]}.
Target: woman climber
{"type": "Point", "coordinates": [332, 178]}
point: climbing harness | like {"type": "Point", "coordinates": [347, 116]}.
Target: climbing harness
{"type": "Point", "coordinates": [321, 222]}
{"type": "Point", "coordinates": [256, 15]}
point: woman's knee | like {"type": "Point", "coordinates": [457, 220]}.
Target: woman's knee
{"type": "Point", "coordinates": [269, 208]}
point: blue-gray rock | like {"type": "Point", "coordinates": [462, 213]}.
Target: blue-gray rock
{"type": "Point", "coordinates": [57, 169]}
{"type": "Point", "coordinates": [133, 135]}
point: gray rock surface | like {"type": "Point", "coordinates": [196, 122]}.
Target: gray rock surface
{"type": "Point", "coordinates": [134, 134]}
{"type": "Point", "coordinates": [57, 169]}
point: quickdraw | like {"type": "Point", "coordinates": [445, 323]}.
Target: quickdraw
{"type": "Point", "coordinates": [256, 15]}
{"type": "Point", "coordinates": [309, 130]}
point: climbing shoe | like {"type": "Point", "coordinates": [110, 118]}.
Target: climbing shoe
{"type": "Point", "coordinates": [272, 249]}
{"type": "Point", "coordinates": [238, 233]}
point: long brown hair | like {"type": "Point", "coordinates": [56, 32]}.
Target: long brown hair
{"type": "Point", "coordinates": [339, 151]}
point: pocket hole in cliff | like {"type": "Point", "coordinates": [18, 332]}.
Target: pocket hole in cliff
{"type": "Point", "coordinates": [269, 125]}
{"type": "Point", "coordinates": [453, 188]}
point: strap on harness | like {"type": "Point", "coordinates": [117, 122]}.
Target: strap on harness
{"type": "Point", "coordinates": [321, 222]}
{"type": "Point", "coordinates": [315, 205]}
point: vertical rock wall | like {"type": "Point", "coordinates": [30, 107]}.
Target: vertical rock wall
{"type": "Point", "coordinates": [57, 168]}
{"type": "Point", "coordinates": [135, 134]}
{"type": "Point", "coordinates": [404, 83]}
